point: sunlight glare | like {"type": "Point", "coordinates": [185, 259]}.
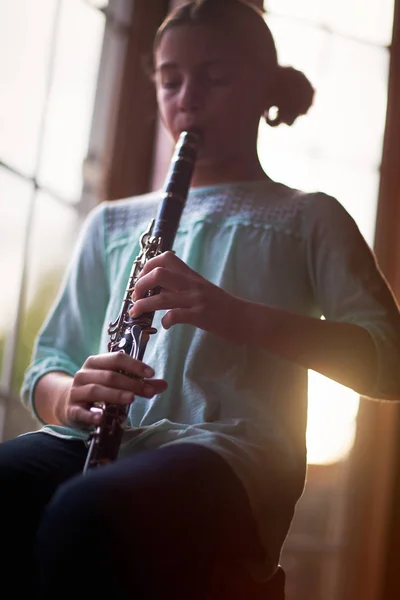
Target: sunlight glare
{"type": "Point", "coordinates": [331, 150]}
{"type": "Point", "coordinates": [332, 413]}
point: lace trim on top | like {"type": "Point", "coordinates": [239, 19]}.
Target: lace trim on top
{"type": "Point", "coordinates": [259, 203]}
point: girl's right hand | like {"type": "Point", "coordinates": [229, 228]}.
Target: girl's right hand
{"type": "Point", "coordinates": [114, 378]}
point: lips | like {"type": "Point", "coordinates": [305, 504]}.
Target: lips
{"type": "Point", "coordinates": [194, 128]}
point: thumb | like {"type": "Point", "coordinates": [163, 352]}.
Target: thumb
{"type": "Point", "coordinates": [175, 316]}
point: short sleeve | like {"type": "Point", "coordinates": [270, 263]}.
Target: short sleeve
{"type": "Point", "coordinates": [349, 286]}
{"type": "Point", "coordinates": [72, 329]}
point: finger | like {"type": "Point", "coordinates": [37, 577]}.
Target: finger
{"type": "Point", "coordinates": [163, 301]}
{"type": "Point", "coordinates": [87, 386]}
{"type": "Point", "coordinates": [167, 279]}
{"type": "Point", "coordinates": [83, 417]}
{"type": "Point", "coordinates": [92, 393]}
{"type": "Point", "coordinates": [119, 361]}
{"type": "Point", "coordinates": [178, 315]}
{"type": "Point", "coordinates": [166, 259]}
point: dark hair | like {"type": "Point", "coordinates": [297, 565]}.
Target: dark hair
{"type": "Point", "coordinates": [290, 90]}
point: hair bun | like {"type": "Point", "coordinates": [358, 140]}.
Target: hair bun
{"type": "Point", "coordinates": [292, 95]}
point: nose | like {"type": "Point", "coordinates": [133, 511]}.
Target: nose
{"type": "Point", "coordinates": [191, 96]}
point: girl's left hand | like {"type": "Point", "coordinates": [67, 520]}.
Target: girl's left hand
{"type": "Point", "coordinates": [188, 298]}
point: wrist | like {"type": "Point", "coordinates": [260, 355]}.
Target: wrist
{"type": "Point", "coordinates": [60, 408]}
{"type": "Point", "coordinates": [258, 325]}
{"type": "Point", "coordinates": [51, 397]}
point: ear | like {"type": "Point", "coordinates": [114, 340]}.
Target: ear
{"type": "Point", "coordinates": [268, 82]}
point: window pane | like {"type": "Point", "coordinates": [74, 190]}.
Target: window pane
{"type": "Point", "coordinates": [369, 20]}
{"type": "Point", "coordinates": [102, 4]}
{"type": "Point", "coordinates": [55, 227]}
{"type": "Point", "coordinates": [15, 198]}
{"type": "Point", "coordinates": [336, 148]}
{"type": "Point", "coordinates": [68, 121]}
{"type": "Point", "coordinates": [355, 187]}
{"type": "Point", "coordinates": [346, 122]}
{"type": "Point", "coordinates": [311, 555]}
{"type": "Point", "coordinates": [25, 34]}
{"type": "Point", "coordinates": [350, 107]}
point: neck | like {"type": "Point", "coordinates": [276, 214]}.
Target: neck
{"type": "Point", "coordinates": [229, 171]}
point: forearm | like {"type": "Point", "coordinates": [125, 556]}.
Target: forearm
{"type": "Point", "coordinates": [344, 352]}
{"type": "Point", "coordinates": [50, 396]}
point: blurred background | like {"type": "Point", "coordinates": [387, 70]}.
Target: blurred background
{"type": "Point", "coordinates": [78, 124]}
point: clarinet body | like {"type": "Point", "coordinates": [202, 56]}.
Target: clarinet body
{"type": "Point", "coordinates": [131, 335]}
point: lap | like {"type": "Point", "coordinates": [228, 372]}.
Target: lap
{"type": "Point", "coordinates": [168, 511]}
{"type": "Point", "coordinates": [35, 464]}
{"type": "Point", "coordinates": [162, 517]}
{"type": "Point", "coordinates": [183, 491]}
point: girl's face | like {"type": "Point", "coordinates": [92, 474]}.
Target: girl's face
{"type": "Point", "coordinates": [205, 81]}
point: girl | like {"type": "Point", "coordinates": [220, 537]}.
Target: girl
{"type": "Point", "coordinates": [211, 466]}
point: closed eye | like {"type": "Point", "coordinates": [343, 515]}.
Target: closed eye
{"type": "Point", "coordinates": [218, 80]}
{"type": "Point", "coordinates": [170, 85]}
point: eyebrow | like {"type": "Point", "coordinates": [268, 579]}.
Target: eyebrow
{"type": "Point", "coordinates": [166, 65]}
{"type": "Point", "coordinates": [208, 63]}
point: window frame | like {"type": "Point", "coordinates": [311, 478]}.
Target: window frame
{"type": "Point", "coordinates": [373, 506]}
{"type": "Point", "coordinates": [122, 142]}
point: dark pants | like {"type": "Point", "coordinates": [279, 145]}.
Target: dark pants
{"type": "Point", "coordinates": [152, 525]}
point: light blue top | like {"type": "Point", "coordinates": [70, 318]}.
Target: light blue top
{"type": "Point", "coordinates": [261, 241]}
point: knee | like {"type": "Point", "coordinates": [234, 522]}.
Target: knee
{"type": "Point", "coordinates": [73, 527]}
{"type": "Point", "coordinates": [74, 538]}
{"type": "Point", "coordinates": [76, 505]}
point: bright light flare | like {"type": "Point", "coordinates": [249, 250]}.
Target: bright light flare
{"type": "Point", "coordinates": [332, 413]}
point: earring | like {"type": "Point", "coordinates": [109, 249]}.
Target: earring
{"type": "Point", "coordinates": [272, 116]}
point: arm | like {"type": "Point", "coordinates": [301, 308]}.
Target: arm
{"type": "Point", "coordinates": [344, 352]}
{"type": "Point", "coordinates": [72, 329]}
{"type": "Point", "coordinates": [64, 400]}
{"type": "Point", "coordinates": [50, 396]}
{"type": "Point", "coordinates": [67, 374]}
{"type": "Point", "coordinates": [358, 343]}
{"type": "Point", "coordinates": [350, 290]}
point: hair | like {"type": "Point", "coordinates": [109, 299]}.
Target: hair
{"type": "Point", "coordinates": [290, 92]}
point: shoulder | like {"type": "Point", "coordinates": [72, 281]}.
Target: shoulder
{"type": "Point", "coordinates": [297, 211]}
{"type": "Point", "coordinates": [294, 211]}
{"type": "Point", "coordinates": [314, 207]}
{"type": "Point", "coordinates": [126, 212]}
{"type": "Point", "coordinates": [324, 216]}
{"type": "Point", "coordinates": [114, 219]}
{"type": "Point", "coordinates": [315, 217]}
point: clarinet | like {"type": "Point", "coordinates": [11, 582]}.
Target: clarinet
{"type": "Point", "coordinates": [130, 335]}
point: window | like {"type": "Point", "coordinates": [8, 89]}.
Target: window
{"type": "Point", "coordinates": [48, 75]}
{"type": "Point", "coordinates": [76, 127]}
{"type": "Point", "coordinates": [344, 50]}
{"type": "Point", "coordinates": [59, 142]}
